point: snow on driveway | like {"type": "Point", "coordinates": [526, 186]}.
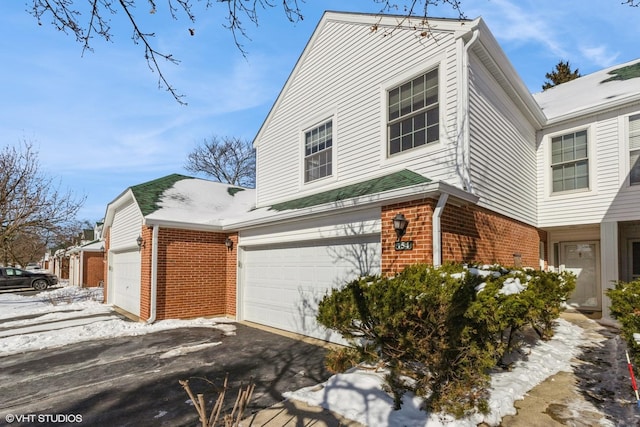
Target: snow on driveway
{"type": "Point", "coordinates": [70, 315]}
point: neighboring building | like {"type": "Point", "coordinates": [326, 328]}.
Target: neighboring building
{"type": "Point", "coordinates": [588, 169]}
{"type": "Point", "coordinates": [438, 129]}
{"type": "Point", "coordinates": [168, 254]}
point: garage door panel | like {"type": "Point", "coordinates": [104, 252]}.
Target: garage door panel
{"type": "Point", "coordinates": [126, 281]}
{"type": "Point", "coordinates": [282, 285]}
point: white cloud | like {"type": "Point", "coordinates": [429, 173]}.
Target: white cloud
{"type": "Point", "coordinates": [600, 55]}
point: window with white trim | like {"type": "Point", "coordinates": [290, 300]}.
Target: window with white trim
{"type": "Point", "coordinates": [634, 149]}
{"type": "Point", "coordinates": [570, 161]}
{"type": "Point", "coordinates": [413, 113]}
{"type": "Point", "coordinates": [318, 152]}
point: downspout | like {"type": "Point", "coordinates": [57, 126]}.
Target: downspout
{"type": "Point", "coordinates": [437, 229]}
{"type": "Point", "coordinates": [154, 275]}
{"type": "Point", "coordinates": [463, 111]}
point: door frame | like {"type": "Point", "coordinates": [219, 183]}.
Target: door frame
{"type": "Point", "coordinates": [562, 262]}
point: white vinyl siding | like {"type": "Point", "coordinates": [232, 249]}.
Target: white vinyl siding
{"type": "Point", "coordinates": [608, 199]}
{"type": "Point", "coordinates": [570, 161]}
{"type": "Point", "coordinates": [318, 152]}
{"type": "Point", "coordinates": [634, 149]}
{"type": "Point", "coordinates": [502, 152]}
{"type": "Point", "coordinates": [126, 227]}
{"type": "Point", "coordinates": [337, 74]}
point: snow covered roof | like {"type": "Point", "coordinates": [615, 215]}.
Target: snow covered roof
{"type": "Point", "coordinates": [608, 88]}
{"type": "Point", "coordinates": [179, 199]}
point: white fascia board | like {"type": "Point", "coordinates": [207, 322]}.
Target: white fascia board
{"type": "Point", "coordinates": [164, 223]}
{"type": "Point", "coordinates": [510, 77]}
{"type": "Point", "coordinates": [428, 190]}
{"type": "Point", "coordinates": [595, 109]}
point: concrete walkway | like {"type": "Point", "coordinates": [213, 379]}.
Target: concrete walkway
{"type": "Point", "coordinates": [597, 392]}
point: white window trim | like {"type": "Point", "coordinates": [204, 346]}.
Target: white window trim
{"type": "Point", "coordinates": [310, 125]}
{"type": "Point", "coordinates": [626, 155]}
{"type": "Point", "coordinates": [402, 157]}
{"type": "Point", "coordinates": [591, 153]}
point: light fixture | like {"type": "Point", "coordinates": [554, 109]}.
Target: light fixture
{"type": "Point", "coordinates": [228, 243]}
{"type": "Point", "coordinates": [400, 225]}
{"type": "Point", "coordinates": [140, 242]}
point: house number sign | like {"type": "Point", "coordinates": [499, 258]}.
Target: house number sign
{"type": "Point", "coordinates": [404, 246]}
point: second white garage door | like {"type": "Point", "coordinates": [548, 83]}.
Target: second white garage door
{"type": "Point", "coordinates": [282, 285]}
{"type": "Point", "coordinates": [125, 283]}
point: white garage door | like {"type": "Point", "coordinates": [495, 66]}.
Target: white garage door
{"type": "Point", "coordinates": [282, 285]}
{"type": "Point", "coordinates": [125, 273]}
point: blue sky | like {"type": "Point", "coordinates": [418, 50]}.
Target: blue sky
{"type": "Point", "coordinates": [101, 124]}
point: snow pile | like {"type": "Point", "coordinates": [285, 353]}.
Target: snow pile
{"type": "Point", "coordinates": [359, 395]}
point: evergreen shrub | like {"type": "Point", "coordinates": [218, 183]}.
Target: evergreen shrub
{"type": "Point", "coordinates": [439, 331]}
{"type": "Point", "coordinates": [625, 308]}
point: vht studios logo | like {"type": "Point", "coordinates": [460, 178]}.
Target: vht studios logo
{"type": "Point", "coordinates": [43, 418]}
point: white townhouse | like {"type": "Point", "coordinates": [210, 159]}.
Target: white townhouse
{"type": "Point", "coordinates": [588, 172]}
{"type": "Point", "coordinates": [386, 148]}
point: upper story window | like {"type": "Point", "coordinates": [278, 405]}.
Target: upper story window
{"type": "Point", "coordinates": [634, 149]}
{"type": "Point", "coordinates": [413, 113]}
{"type": "Point", "coordinates": [570, 161]}
{"type": "Point", "coordinates": [318, 156]}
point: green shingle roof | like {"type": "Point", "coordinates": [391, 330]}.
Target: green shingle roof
{"type": "Point", "coordinates": [403, 178]}
{"type": "Point", "coordinates": [148, 194]}
{"type": "Point", "coordinates": [624, 73]}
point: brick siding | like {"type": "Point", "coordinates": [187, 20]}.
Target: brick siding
{"type": "Point", "coordinates": [469, 234]}
{"type": "Point", "coordinates": [194, 276]}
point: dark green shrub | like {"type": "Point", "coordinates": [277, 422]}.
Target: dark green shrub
{"type": "Point", "coordinates": [625, 308]}
{"type": "Point", "coordinates": [439, 331]}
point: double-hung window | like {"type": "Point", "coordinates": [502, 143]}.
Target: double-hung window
{"type": "Point", "coordinates": [413, 113]}
{"type": "Point", "coordinates": [570, 161]}
{"type": "Point", "coordinates": [634, 149]}
{"type": "Point", "coordinates": [318, 152]}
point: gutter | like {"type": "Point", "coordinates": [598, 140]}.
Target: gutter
{"type": "Point", "coordinates": [463, 113]}
{"type": "Point", "coordinates": [154, 275]}
{"type": "Point", "coordinates": [437, 229]}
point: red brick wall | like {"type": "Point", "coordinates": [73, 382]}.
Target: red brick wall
{"type": "Point", "coordinates": [194, 277]}
{"type": "Point", "coordinates": [92, 269]}
{"type": "Point", "coordinates": [419, 213]}
{"type": "Point", "coordinates": [469, 233]}
{"type": "Point", "coordinates": [145, 273]}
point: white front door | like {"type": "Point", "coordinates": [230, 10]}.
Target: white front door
{"type": "Point", "coordinates": [583, 260]}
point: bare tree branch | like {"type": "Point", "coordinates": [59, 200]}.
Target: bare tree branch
{"type": "Point", "coordinates": [31, 204]}
{"type": "Point", "coordinates": [92, 19]}
{"type": "Point", "coordinates": [228, 160]}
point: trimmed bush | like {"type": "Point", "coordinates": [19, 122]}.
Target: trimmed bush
{"type": "Point", "coordinates": [625, 308]}
{"type": "Point", "coordinates": [439, 331]}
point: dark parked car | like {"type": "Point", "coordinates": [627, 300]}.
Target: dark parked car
{"type": "Point", "coordinates": [16, 278]}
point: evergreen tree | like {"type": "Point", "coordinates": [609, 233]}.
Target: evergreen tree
{"type": "Point", "coordinates": [561, 74]}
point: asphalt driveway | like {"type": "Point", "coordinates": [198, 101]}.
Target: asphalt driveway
{"type": "Point", "coordinates": [133, 381]}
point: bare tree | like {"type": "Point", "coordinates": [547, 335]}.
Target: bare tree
{"type": "Point", "coordinates": [228, 160]}
{"type": "Point", "coordinates": [92, 18]}
{"type": "Point", "coordinates": [32, 207]}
